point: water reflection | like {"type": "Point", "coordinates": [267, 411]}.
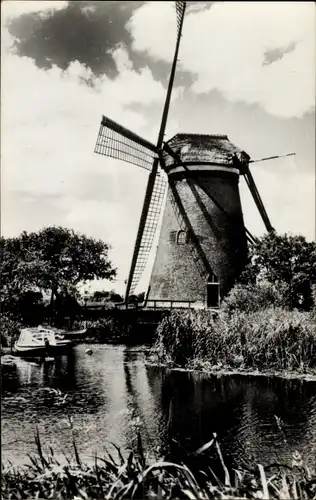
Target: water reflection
{"type": "Point", "coordinates": [71, 374]}
{"type": "Point", "coordinates": [145, 411]}
{"type": "Point", "coordinates": [112, 395]}
{"type": "Point", "coordinates": [242, 411]}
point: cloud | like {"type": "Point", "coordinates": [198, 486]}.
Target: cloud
{"type": "Point", "coordinates": [88, 9]}
{"type": "Point", "coordinates": [64, 32]}
{"type": "Point", "coordinates": [50, 120]}
{"type": "Point", "coordinates": [225, 47]}
{"type": "Point", "coordinates": [288, 195]}
{"type": "Point", "coordinates": [50, 174]}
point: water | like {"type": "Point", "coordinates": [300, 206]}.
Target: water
{"type": "Point", "coordinates": [112, 393]}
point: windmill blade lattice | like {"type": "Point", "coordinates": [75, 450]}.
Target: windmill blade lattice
{"type": "Point", "coordinates": [152, 219]}
{"type": "Point", "coordinates": [180, 10]}
{"type": "Point", "coordinates": [120, 143]}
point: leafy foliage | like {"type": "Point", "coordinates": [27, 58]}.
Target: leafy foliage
{"type": "Point", "coordinates": [107, 295]}
{"type": "Point", "coordinates": [249, 298]}
{"type": "Point", "coordinates": [54, 260]}
{"type": "Point", "coordinates": [10, 330]}
{"type": "Point", "coordinates": [314, 301]}
{"type": "Point", "coordinates": [108, 328]}
{"type": "Point", "coordinates": [132, 475]}
{"type": "Point", "coordinates": [284, 259]}
{"type": "Point", "coordinates": [136, 299]}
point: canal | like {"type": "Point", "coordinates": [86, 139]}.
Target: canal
{"type": "Point", "coordinates": [113, 393]}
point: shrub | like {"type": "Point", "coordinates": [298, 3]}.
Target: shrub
{"type": "Point", "coordinates": [10, 330]}
{"type": "Point", "coordinates": [314, 301]}
{"type": "Point", "coordinates": [252, 297]}
{"type": "Point", "coordinates": [106, 328]}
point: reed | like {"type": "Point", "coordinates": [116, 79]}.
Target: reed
{"type": "Point", "coordinates": [269, 339]}
{"type": "Point", "coordinates": [133, 476]}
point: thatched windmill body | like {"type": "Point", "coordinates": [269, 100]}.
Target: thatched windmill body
{"type": "Point", "coordinates": [202, 246]}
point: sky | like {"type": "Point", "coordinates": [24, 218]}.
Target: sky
{"type": "Point", "coordinates": [246, 69]}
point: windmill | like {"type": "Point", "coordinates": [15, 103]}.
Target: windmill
{"type": "Point", "coordinates": [202, 247]}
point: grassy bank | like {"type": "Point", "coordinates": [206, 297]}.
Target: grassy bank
{"type": "Point", "coordinates": [271, 339]}
{"type": "Point", "coordinates": [135, 476]}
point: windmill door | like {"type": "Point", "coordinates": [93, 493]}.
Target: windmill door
{"type": "Point", "coordinates": [213, 296]}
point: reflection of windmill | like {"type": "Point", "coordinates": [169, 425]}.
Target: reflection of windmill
{"type": "Point", "coordinates": [203, 242]}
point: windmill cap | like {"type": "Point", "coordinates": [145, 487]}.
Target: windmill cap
{"type": "Point", "coordinates": [205, 148]}
{"type": "Point", "coordinates": [189, 136]}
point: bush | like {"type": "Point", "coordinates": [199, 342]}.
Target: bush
{"type": "Point", "coordinates": [314, 301]}
{"type": "Point", "coordinates": [10, 330]}
{"type": "Point", "coordinates": [108, 328]}
{"type": "Point", "coordinates": [248, 298]}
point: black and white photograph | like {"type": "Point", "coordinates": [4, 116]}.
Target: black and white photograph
{"type": "Point", "coordinates": [158, 252]}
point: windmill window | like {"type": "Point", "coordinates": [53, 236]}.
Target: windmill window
{"type": "Point", "coordinates": [213, 291]}
{"type": "Point", "coordinates": [212, 278]}
{"type": "Point", "coordinates": [181, 238]}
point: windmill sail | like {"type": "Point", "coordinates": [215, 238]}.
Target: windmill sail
{"type": "Point", "coordinates": [257, 199]}
{"type": "Point", "coordinates": [150, 227]}
{"type": "Point", "coordinates": [120, 143]}
{"type": "Point", "coordinates": [180, 10]}
{"type": "Point", "coordinates": [139, 254]}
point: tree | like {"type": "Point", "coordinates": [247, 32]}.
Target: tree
{"type": "Point", "coordinates": [284, 259]}
{"type": "Point", "coordinates": [55, 260]}
{"type": "Point", "coordinates": [136, 299]}
{"type": "Point", "coordinates": [116, 297]}
{"type": "Point", "coordinates": [110, 296]}
{"type": "Point", "coordinates": [101, 294]}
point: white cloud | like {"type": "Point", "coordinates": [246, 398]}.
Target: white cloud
{"type": "Point", "coordinates": [288, 195]}
{"type": "Point", "coordinates": [88, 9]}
{"type": "Point", "coordinates": [225, 47]}
{"type": "Point", "coordinates": [50, 121]}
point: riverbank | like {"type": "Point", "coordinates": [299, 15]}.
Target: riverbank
{"type": "Point", "coordinates": [112, 330]}
{"type": "Point", "coordinates": [134, 475]}
{"type": "Point", "coordinates": [269, 342]}
{"type": "Point", "coordinates": [221, 371]}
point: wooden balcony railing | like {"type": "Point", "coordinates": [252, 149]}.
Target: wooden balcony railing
{"type": "Point", "coordinates": [159, 304]}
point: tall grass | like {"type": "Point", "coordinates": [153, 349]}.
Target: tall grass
{"type": "Point", "coordinates": [134, 477]}
{"type": "Point", "coordinates": [269, 339]}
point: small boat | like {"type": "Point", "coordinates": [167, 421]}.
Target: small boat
{"type": "Point", "coordinates": [40, 341]}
